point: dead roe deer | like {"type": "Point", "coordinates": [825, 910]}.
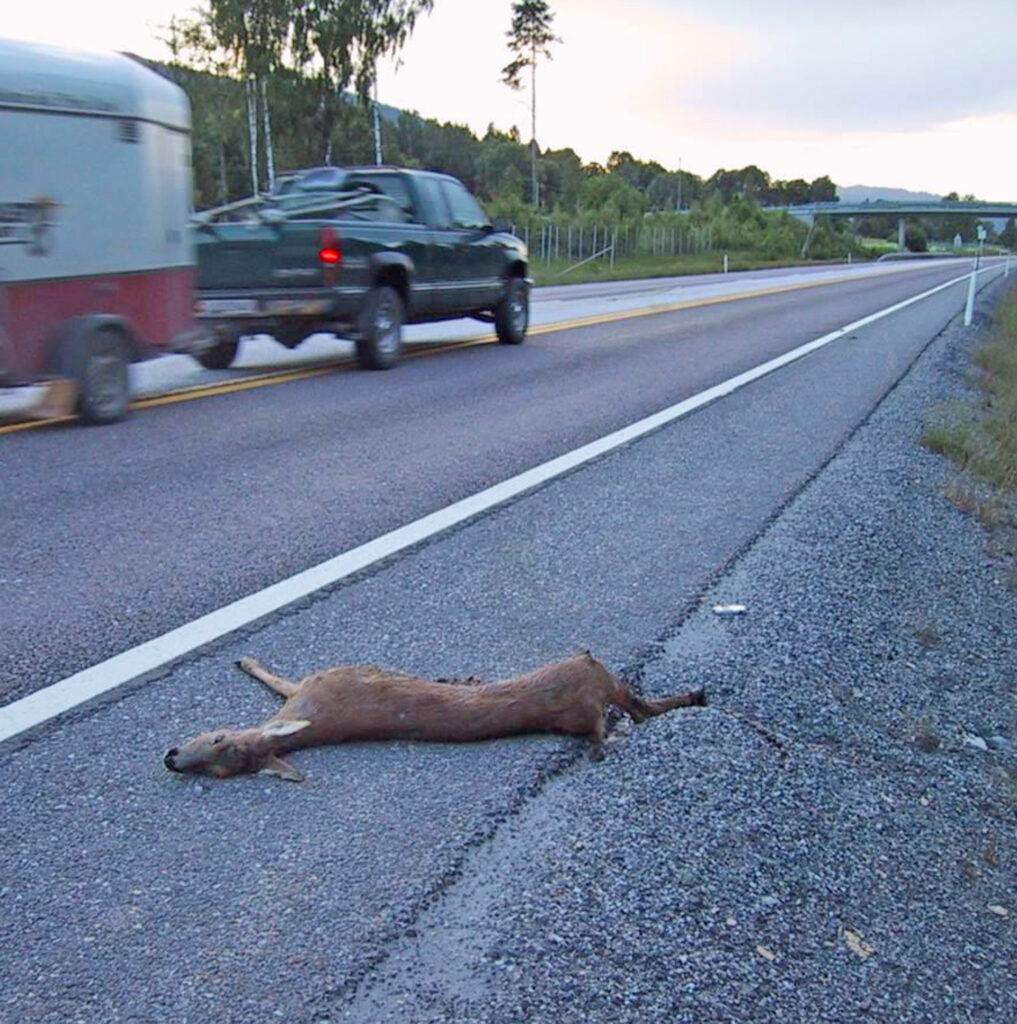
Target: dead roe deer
{"type": "Point", "coordinates": [359, 702]}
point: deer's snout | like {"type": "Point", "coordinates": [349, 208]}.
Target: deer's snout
{"type": "Point", "coordinates": [170, 759]}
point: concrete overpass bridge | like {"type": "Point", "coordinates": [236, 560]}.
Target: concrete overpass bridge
{"type": "Point", "coordinates": [899, 209]}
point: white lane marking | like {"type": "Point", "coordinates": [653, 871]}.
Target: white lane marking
{"type": "Point", "coordinates": [54, 700]}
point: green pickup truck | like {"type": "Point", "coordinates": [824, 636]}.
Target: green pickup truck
{"type": "Point", "coordinates": [356, 251]}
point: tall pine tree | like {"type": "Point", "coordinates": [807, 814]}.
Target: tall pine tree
{"type": "Point", "coordinates": [529, 39]}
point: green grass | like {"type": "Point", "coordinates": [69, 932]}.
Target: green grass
{"type": "Point", "coordinates": [878, 246]}
{"type": "Point", "coordinates": [979, 436]}
{"type": "Point", "coordinates": [632, 267]}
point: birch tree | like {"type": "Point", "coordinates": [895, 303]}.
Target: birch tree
{"type": "Point", "coordinates": [257, 33]}
{"type": "Point", "coordinates": [340, 43]}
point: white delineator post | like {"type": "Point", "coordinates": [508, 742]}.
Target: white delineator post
{"type": "Point", "coordinates": [969, 306]}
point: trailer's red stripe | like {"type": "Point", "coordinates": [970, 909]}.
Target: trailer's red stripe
{"type": "Point", "coordinates": [157, 304]}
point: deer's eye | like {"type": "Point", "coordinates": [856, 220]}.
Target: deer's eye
{"type": "Point", "coordinates": [219, 739]}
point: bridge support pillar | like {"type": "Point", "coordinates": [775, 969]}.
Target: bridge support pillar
{"type": "Point", "coordinates": [901, 235]}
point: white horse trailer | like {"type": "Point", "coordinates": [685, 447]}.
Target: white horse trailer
{"type": "Point", "coordinates": [96, 262]}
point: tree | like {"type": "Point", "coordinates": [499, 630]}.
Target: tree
{"type": "Point", "coordinates": [563, 174]}
{"type": "Point", "coordinates": [612, 197]}
{"type": "Point", "coordinates": [341, 42]}
{"type": "Point", "coordinates": [243, 39]}
{"type": "Point", "coordinates": [823, 190]}
{"type": "Point", "coordinates": [1008, 236]}
{"type": "Point", "coordinates": [915, 239]}
{"type": "Point", "coordinates": [638, 173]}
{"type": "Point", "coordinates": [672, 190]}
{"type": "Point", "coordinates": [725, 183]}
{"type": "Point", "coordinates": [529, 39]}
{"type": "Point", "coordinates": [946, 228]}
{"type": "Point", "coordinates": [754, 183]}
{"type": "Point", "coordinates": [255, 33]}
{"type": "Point", "coordinates": [193, 41]}
{"type": "Point", "coordinates": [795, 192]}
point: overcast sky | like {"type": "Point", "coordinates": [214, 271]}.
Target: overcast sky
{"type": "Point", "coordinates": [918, 94]}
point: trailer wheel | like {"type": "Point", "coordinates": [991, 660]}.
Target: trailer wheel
{"type": "Point", "coordinates": [381, 332]}
{"type": "Point", "coordinates": [96, 361]}
{"type": "Point", "coordinates": [512, 314]}
{"type": "Point", "coordinates": [221, 355]}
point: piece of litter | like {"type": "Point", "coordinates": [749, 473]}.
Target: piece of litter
{"type": "Point", "coordinates": [999, 911]}
{"type": "Point", "coordinates": [858, 945]}
{"type": "Point", "coordinates": [729, 609]}
{"type": "Point", "coordinates": [971, 740]}
{"type": "Point", "coordinates": [924, 801]}
{"type": "Point", "coordinates": [766, 953]}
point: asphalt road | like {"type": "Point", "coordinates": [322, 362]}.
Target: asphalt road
{"type": "Point", "coordinates": [110, 537]}
{"type": "Point", "coordinates": [132, 895]}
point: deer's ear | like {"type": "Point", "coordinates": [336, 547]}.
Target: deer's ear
{"type": "Point", "coordinates": [276, 729]}
{"type": "Point", "coordinates": [283, 769]}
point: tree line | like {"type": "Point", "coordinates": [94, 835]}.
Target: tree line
{"type": "Point", "coordinates": [496, 165]}
{"type": "Point", "coordinates": [277, 85]}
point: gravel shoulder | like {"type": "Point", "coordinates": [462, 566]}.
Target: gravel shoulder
{"type": "Point", "coordinates": [833, 838]}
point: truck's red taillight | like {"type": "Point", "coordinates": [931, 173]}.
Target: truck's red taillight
{"type": "Point", "coordinates": [329, 252]}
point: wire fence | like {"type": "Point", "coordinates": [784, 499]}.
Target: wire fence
{"type": "Point", "coordinates": [579, 242]}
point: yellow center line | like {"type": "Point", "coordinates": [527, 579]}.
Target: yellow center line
{"type": "Point", "coordinates": [227, 387]}
{"type": "Point", "coordinates": [271, 377]}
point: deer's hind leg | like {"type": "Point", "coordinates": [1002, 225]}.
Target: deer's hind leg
{"type": "Point", "coordinates": [639, 710]}
{"type": "Point", "coordinates": [635, 707]}
{"type": "Point", "coordinates": [284, 687]}
{"type": "Point", "coordinates": [597, 739]}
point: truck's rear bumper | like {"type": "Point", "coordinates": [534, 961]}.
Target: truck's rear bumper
{"type": "Point", "coordinates": [221, 305]}
{"type": "Point", "coordinates": [279, 313]}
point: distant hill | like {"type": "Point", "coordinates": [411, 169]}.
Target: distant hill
{"type": "Point", "coordinates": [863, 193]}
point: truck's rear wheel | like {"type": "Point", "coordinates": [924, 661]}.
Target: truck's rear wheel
{"type": "Point", "coordinates": [381, 331]}
{"type": "Point", "coordinates": [221, 355]}
{"type": "Point", "coordinates": [96, 361]}
{"type": "Point", "coordinates": [512, 314]}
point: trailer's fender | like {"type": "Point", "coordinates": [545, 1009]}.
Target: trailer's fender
{"type": "Point", "coordinates": [79, 326]}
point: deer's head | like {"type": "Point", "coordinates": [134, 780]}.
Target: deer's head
{"type": "Point", "coordinates": [227, 752]}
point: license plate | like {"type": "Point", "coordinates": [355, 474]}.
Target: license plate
{"type": "Point", "coordinates": [296, 307]}
{"type": "Point", "coordinates": [227, 307]}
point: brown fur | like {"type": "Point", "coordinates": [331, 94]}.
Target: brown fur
{"type": "Point", "coordinates": [358, 702]}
